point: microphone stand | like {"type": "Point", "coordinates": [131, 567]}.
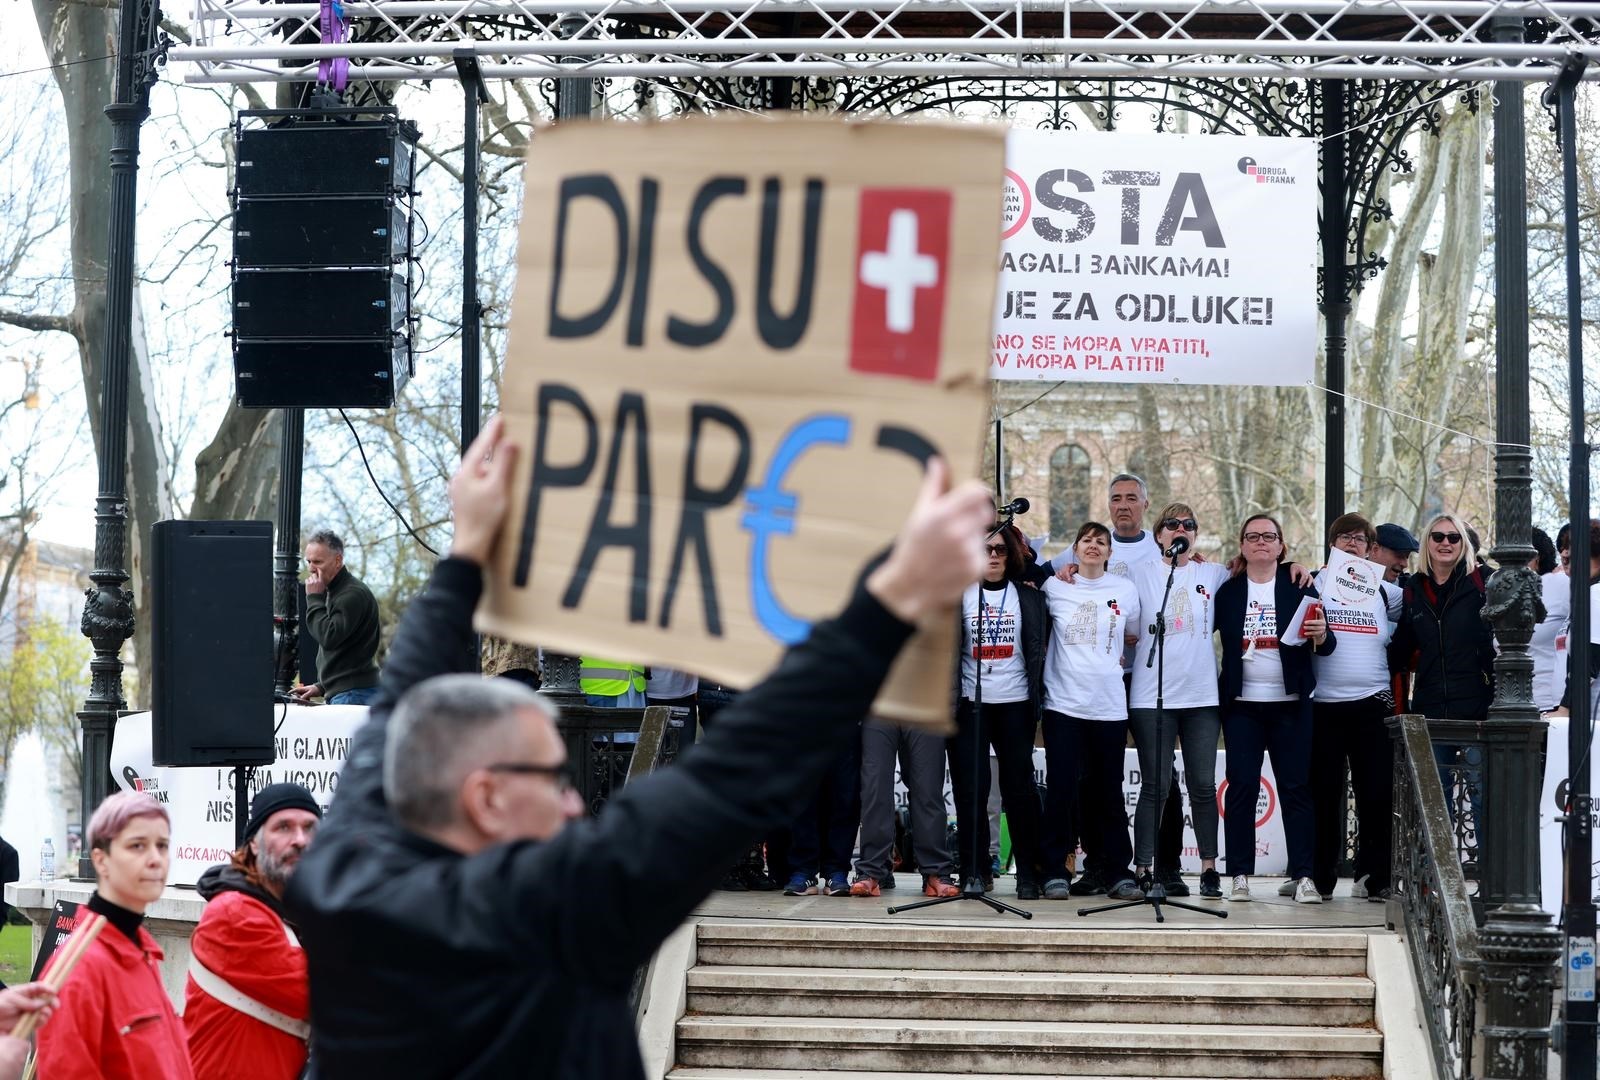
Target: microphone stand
{"type": "Point", "coordinates": [1156, 894]}
{"type": "Point", "coordinates": [971, 878]}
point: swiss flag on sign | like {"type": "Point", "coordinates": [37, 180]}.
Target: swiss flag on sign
{"type": "Point", "coordinates": [902, 247]}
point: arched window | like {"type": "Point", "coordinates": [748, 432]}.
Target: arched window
{"type": "Point", "coordinates": [1069, 491]}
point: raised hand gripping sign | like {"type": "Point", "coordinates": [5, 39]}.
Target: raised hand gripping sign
{"type": "Point", "coordinates": [733, 343]}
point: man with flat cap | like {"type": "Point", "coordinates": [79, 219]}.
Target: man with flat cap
{"type": "Point", "coordinates": [247, 1005]}
{"type": "Point", "coordinates": [1393, 550]}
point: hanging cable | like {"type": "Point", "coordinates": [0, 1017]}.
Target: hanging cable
{"type": "Point", "coordinates": [398, 515]}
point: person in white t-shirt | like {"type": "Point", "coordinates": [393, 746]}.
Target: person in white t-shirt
{"type": "Point", "coordinates": [1266, 689]}
{"type": "Point", "coordinates": [1184, 677]}
{"type": "Point", "coordinates": [1086, 718]}
{"type": "Point", "coordinates": [1548, 646]}
{"type": "Point", "coordinates": [1007, 670]}
{"type": "Point", "coordinates": [1349, 717]}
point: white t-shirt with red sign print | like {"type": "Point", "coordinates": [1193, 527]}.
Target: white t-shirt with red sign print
{"type": "Point", "coordinates": [1361, 608]}
{"type": "Point", "coordinates": [1263, 663]}
{"type": "Point", "coordinates": [1191, 663]}
{"type": "Point", "coordinates": [1005, 677]}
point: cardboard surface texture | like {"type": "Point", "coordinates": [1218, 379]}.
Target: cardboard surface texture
{"type": "Point", "coordinates": [732, 344]}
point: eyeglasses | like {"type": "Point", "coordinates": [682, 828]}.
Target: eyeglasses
{"type": "Point", "coordinates": [1186, 524]}
{"type": "Point", "coordinates": [995, 549]}
{"type": "Point", "coordinates": [1445, 538]}
{"type": "Point", "coordinates": [563, 776]}
{"type": "Point", "coordinates": [1260, 537]}
{"type": "Point", "coordinates": [1352, 538]}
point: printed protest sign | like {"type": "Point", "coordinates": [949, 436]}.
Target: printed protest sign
{"type": "Point", "coordinates": [1158, 258]}
{"type": "Point", "coordinates": [733, 344]}
{"type": "Point", "coordinates": [64, 918]}
{"type": "Point", "coordinates": [1352, 587]}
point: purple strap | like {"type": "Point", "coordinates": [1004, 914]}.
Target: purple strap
{"type": "Point", "coordinates": [334, 68]}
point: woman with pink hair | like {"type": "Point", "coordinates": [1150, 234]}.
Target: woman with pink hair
{"type": "Point", "coordinates": [114, 1020]}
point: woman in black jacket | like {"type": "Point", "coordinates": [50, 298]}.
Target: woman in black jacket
{"type": "Point", "coordinates": [1265, 691]}
{"type": "Point", "coordinates": [1008, 669]}
{"type": "Point", "coordinates": [1442, 637]}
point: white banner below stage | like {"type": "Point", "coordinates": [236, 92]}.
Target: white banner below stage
{"type": "Point", "coordinates": [1158, 258]}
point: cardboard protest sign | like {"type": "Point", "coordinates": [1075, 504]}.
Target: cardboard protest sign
{"type": "Point", "coordinates": [733, 343]}
{"type": "Point", "coordinates": [1158, 258]}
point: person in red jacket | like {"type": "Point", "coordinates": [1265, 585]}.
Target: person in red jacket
{"type": "Point", "coordinates": [114, 1020]}
{"type": "Point", "coordinates": [247, 1003]}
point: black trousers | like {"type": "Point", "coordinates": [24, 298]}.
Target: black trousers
{"type": "Point", "coordinates": [1010, 728]}
{"type": "Point", "coordinates": [1088, 804]}
{"type": "Point", "coordinates": [823, 837]}
{"type": "Point", "coordinates": [1352, 732]}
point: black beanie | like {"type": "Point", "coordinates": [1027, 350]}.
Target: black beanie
{"type": "Point", "coordinates": [274, 797]}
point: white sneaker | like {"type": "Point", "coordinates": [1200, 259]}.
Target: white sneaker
{"type": "Point", "coordinates": [1359, 889]}
{"type": "Point", "coordinates": [1240, 892]}
{"type": "Point", "coordinates": [1305, 892]}
{"type": "Point", "coordinates": [1287, 888]}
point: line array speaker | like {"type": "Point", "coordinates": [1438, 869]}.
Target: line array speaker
{"type": "Point", "coordinates": [322, 243]}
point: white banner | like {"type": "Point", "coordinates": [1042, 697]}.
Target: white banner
{"type": "Point", "coordinates": [1158, 258]}
{"type": "Point", "coordinates": [311, 742]}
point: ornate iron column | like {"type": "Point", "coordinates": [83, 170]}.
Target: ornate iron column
{"type": "Point", "coordinates": [108, 606]}
{"type": "Point", "coordinates": [1335, 286]}
{"type": "Point", "coordinates": [286, 554]}
{"type": "Point", "coordinates": [1518, 945]}
{"type": "Point", "coordinates": [558, 675]}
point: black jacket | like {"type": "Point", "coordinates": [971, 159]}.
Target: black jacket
{"type": "Point", "coordinates": [1035, 635]}
{"type": "Point", "coordinates": [344, 620]}
{"type": "Point", "coordinates": [1298, 675]}
{"type": "Point", "coordinates": [1451, 646]}
{"type": "Point", "coordinates": [516, 961]}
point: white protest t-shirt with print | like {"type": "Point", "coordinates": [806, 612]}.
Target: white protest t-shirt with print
{"type": "Point", "coordinates": [1263, 663]}
{"type": "Point", "coordinates": [1191, 663]}
{"type": "Point", "coordinates": [1358, 604]}
{"type": "Point", "coordinates": [1548, 646]}
{"type": "Point", "coordinates": [1083, 666]}
{"type": "Point", "coordinates": [1005, 677]}
{"type": "Point", "coordinates": [1125, 554]}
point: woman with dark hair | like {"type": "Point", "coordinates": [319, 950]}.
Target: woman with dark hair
{"type": "Point", "coordinates": [1353, 702]}
{"type": "Point", "coordinates": [115, 1020]}
{"type": "Point", "coordinates": [1086, 718]}
{"type": "Point", "coordinates": [1548, 646]}
{"type": "Point", "coordinates": [1266, 689]}
{"type": "Point", "coordinates": [1008, 669]}
{"type": "Point", "coordinates": [1564, 547]}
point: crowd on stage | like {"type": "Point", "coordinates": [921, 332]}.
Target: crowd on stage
{"type": "Point", "coordinates": [1311, 664]}
{"type": "Point", "coordinates": [456, 914]}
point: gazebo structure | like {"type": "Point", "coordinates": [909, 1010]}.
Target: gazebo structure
{"type": "Point", "coordinates": [1357, 75]}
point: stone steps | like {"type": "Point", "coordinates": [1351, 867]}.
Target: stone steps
{"type": "Point", "coordinates": [1028, 1048]}
{"type": "Point", "coordinates": [1062, 996]}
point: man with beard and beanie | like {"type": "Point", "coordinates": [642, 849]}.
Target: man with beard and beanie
{"type": "Point", "coordinates": [247, 1005]}
{"type": "Point", "coordinates": [462, 918]}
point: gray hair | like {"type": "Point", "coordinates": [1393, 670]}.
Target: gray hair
{"type": "Point", "coordinates": [442, 729]}
{"type": "Point", "coordinates": [1123, 478]}
{"type": "Point", "coordinates": [328, 539]}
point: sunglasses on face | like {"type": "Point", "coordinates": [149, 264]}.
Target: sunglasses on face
{"type": "Point", "coordinates": [1186, 524]}
{"type": "Point", "coordinates": [1445, 538]}
{"type": "Point", "coordinates": [1261, 538]}
{"type": "Point", "coordinates": [995, 549]}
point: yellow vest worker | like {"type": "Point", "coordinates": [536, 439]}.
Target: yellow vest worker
{"type": "Point", "coordinates": [611, 684]}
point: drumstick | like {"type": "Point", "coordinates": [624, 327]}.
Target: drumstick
{"type": "Point", "coordinates": [61, 968]}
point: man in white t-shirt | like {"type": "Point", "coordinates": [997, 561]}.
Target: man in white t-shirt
{"type": "Point", "coordinates": [1127, 501]}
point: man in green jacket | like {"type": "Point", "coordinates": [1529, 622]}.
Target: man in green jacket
{"type": "Point", "coordinates": [342, 615]}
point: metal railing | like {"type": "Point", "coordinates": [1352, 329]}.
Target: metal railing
{"type": "Point", "coordinates": [1435, 843]}
{"type": "Point", "coordinates": [607, 747]}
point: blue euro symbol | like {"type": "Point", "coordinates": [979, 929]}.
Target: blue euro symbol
{"type": "Point", "coordinates": [770, 511]}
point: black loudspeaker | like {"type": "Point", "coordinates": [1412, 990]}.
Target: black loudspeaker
{"type": "Point", "coordinates": [211, 643]}
{"type": "Point", "coordinates": [338, 373]}
{"type": "Point", "coordinates": [322, 243]}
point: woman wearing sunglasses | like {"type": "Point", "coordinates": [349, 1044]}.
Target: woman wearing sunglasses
{"type": "Point", "coordinates": [1266, 703]}
{"type": "Point", "coordinates": [1443, 640]}
{"type": "Point", "coordinates": [1188, 677]}
{"type": "Point", "coordinates": [1009, 666]}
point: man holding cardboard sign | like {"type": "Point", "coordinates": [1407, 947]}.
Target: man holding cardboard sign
{"type": "Point", "coordinates": [734, 345]}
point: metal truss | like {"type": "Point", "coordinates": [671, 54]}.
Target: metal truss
{"type": "Point", "coordinates": [1427, 40]}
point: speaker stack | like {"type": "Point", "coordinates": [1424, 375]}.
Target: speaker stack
{"type": "Point", "coordinates": [322, 256]}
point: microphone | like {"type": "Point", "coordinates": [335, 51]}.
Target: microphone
{"type": "Point", "coordinates": [1015, 506]}
{"type": "Point", "coordinates": [1179, 545]}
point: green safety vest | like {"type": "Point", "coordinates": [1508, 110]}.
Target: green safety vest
{"type": "Point", "coordinates": [609, 678]}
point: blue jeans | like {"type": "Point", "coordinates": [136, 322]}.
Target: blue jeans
{"type": "Point", "coordinates": [362, 695]}
{"type": "Point", "coordinates": [633, 699]}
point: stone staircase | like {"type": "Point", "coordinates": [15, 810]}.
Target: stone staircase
{"type": "Point", "coordinates": [852, 1001]}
